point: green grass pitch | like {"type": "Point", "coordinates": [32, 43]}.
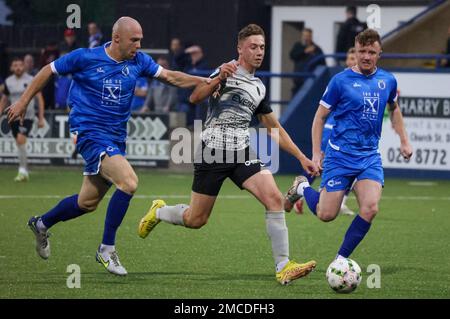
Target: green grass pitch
{"type": "Point", "coordinates": [228, 258]}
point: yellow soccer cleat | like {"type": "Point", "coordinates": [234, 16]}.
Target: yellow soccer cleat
{"type": "Point", "coordinates": [149, 221]}
{"type": "Point", "coordinates": [293, 270]}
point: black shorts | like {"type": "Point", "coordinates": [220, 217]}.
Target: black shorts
{"type": "Point", "coordinates": [211, 171]}
{"type": "Point", "coordinates": [24, 129]}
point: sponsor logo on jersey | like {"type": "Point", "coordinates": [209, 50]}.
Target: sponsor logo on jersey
{"type": "Point", "coordinates": [333, 183]}
{"type": "Point", "coordinates": [111, 92]}
{"type": "Point", "coordinates": [243, 101]}
{"type": "Point", "coordinates": [371, 105]}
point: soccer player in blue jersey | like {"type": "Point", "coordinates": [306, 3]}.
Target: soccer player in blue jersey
{"type": "Point", "coordinates": [357, 98]}
{"type": "Point", "coordinates": [350, 61]}
{"type": "Point", "coordinates": [104, 79]}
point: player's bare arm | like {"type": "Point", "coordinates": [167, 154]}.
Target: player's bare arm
{"type": "Point", "coordinates": [204, 89]}
{"type": "Point", "coordinates": [284, 140]}
{"type": "Point", "coordinates": [17, 110]}
{"type": "Point", "coordinates": [180, 79]}
{"type": "Point", "coordinates": [399, 127]}
{"type": "Point", "coordinates": [41, 106]}
{"type": "Point", "coordinates": [317, 129]}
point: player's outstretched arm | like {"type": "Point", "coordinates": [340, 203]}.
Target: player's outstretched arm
{"type": "Point", "coordinates": [180, 79]}
{"type": "Point", "coordinates": [279, 134]}
{"type": "Point", "coordinates": [399, 127]}
{"type": "Point", "coordinates": [204, 89]}
{"type": "Point", "coordinates": [17, 110]}
{"type": "Point", "coordinates": [316, 132]}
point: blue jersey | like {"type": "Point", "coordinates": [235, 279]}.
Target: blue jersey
{"type": "Point", "coordinates": [102, 89]}
{"type": "Point", "coordinates": [326, 133]}
{"type": "Point", "coordinates": [357, 103]}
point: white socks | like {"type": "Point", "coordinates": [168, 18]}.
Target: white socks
{"type": "Point", "coordinates": [172, 214]}
{"type": "Point", "coordinates": [281, 265]}
{"type": "Point", "coordinates": [301, 187]}
{"type": "Point", "coordinates": [278, 234]}
{"type": "Point", "coordinates": [22, 152]}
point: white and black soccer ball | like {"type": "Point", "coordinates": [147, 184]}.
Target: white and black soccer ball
{"type": "Point", "coordinates": [344, 275]}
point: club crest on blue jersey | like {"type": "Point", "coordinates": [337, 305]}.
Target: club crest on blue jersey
{"type": "Point", "coordinates": [381, 84]}
{"type": "Point", "coordinates": [125, 70]}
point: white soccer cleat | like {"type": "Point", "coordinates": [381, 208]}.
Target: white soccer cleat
{"type": "Point", "coordinates": [42, 242]}
{"type": "Point", "coordinates": [22, 177]}
{"type": "Point", "coordinates": [110, 260]}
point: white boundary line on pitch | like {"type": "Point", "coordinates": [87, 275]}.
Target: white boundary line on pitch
{"type": "Point", "coordinates": [443, 198]}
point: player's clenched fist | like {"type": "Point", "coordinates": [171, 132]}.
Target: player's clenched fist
{"type": "Point", "coordinates": [310, 167]}
{"type": "Point", "coordinates": [228, 69]}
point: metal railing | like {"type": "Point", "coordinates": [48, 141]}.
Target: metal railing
{"type": "Point", "coordinates": [403, 56]}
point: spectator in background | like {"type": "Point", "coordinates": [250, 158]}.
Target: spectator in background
{"type": "Point", "coordinates": [197, 63]}
{"type": "Point", "coordinates": [28, 61]}
{"type": "Point", "coordinates": [351, 57]}
{"type": "Point", "coordinates": [49, 54]}
{"type": "Point", "coordinates": [302, 53]}
{"type": "Point", "coordinates": [95, 35]}
{"type": "Point", "coordinates": [161, 97]}
{"type": "Point", "coordinates": [140, 92]}
{"type": "Point", "coordinates": [348, 31]}
{"type": "Point", "coordinates": [70, 41]}
{"type": "Point", "coordinates": [177, 57]}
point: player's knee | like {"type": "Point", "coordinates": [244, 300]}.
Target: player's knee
{"type": "Point", "coordinates": [273, 201]}
{"type": "Point", "coordinates": [369, 211]}
{"type": "Point", "coordinates": [129, 184]}
{"type": "Point", "coordinates": [326, 215]}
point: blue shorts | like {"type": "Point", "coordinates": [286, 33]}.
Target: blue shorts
{"type": "Point", "coordinates": [341, 169]}
{"type": "Point", "coordinates": [93, 152]}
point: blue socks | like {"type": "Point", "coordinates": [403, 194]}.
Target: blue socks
{"type": "Point", "coordinates": [355, 233]}
{"type": "Point", "coordinates": [68, 209]}
{"type": "Point", "coordinates": [65, 210]}
{"type": "Point", "coordinates": [312, 198]}
{"type": "Point", "coordinates": [117, 209]}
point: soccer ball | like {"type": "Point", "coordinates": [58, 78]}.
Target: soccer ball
{"type": "Point", "coordinates": [344, 275]}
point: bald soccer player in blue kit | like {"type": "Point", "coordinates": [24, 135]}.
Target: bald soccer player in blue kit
{"type": "Point", "coordinates": [356, 98]}
{"type": "Point", "coordinates": [104, 79]}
